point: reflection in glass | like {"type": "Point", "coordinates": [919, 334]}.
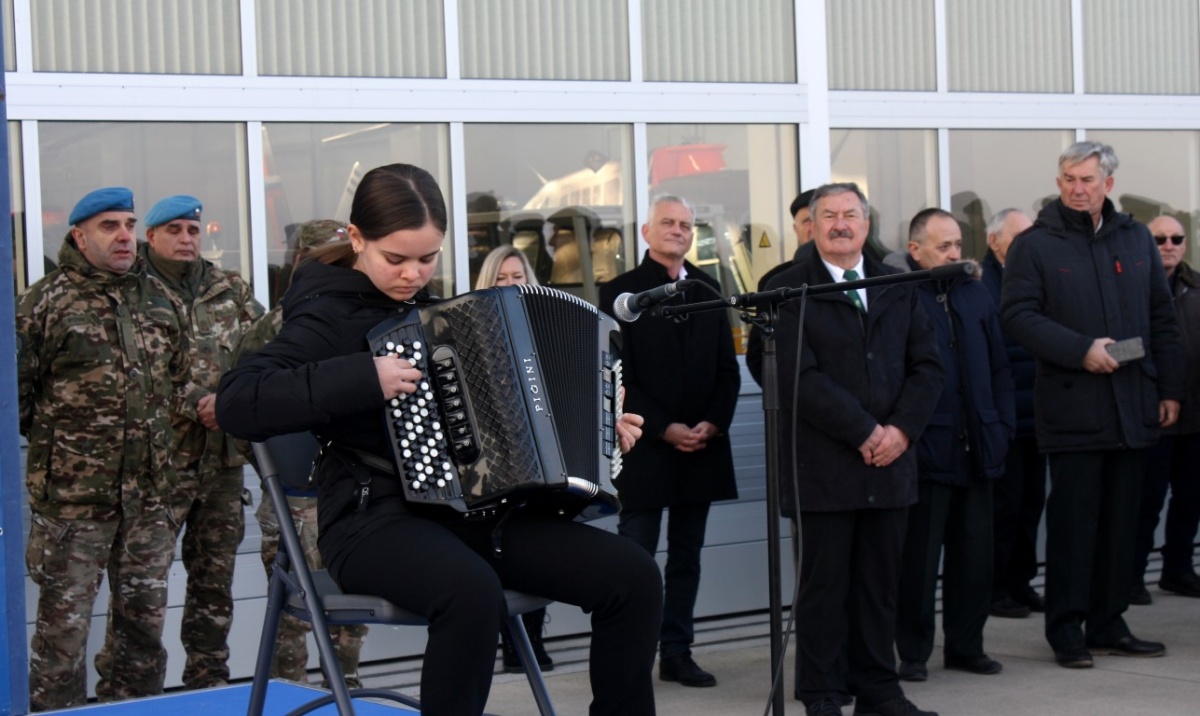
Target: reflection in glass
{"type": "Point", "coordinates": [559, 192]}
{"type": "Point", "coordinates": [897, 169]}
{"type": "Point", "coordinates": [154, 159]}
{"type": "Point", "coordinates": [312, 171]}
{"type": "Point", "coordinates": [1157, 175]}
{"type": "Point", "coordinates": [986, 175]}
{"type": "Point", "coordinates": [16, 185]}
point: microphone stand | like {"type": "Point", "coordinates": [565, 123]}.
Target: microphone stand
{"type": "Point", "coordinates": [766, 306]}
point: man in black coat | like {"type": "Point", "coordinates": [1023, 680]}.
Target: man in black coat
{"type": "Point", "coordinates": [960, 454]}
{"type": "Point", "coordinates": [683, 378]}
{"type": "Point", "coordinates": [859, 387]}
{"type": "Point", "coordinates": [1084, 277]}
{"type": "Point", "coordinates": [1020, 494]}
{"type": "Point", "coordinates": [1175, 460]}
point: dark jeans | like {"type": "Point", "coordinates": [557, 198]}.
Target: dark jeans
{"type": "Point", "coordinates": [1018, 498]}
{"type": "Point", "coordinates": [1091, 523]}
{"type": "Point", "coordinates": [685, 538]}
{"type": "Point", "coordinates": [1174, 462]}
{"type": "Point", "coordinates": [960, 520]}
{"type": "Point", "coordinates": [450, 573]}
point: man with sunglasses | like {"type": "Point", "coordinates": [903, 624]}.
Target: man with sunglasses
{"type": "Point", "coordinates": [1175, 460]}
{"type": "Point", "coordinates": [1084, 277]}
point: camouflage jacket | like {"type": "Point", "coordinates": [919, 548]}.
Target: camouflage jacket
{"type": "Point", "coordinates": [222, 309]}
{"type": "Point", "coordinates": [101, 364]}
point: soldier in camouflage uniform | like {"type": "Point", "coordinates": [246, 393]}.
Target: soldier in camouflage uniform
{"type": "Point", "coordinates": [102, 361]}
{"type": "Point", "coordinates": [208, 504]}
{"type": "Point", "coordinates": [291, 650]}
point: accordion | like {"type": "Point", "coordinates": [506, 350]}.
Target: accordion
{"type": "Point", "coordinates": [518, 403]}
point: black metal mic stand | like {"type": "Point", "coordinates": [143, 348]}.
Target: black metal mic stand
{"type": "Point", "coordinates": [766, 305]}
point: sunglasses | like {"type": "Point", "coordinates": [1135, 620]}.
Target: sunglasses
{"type": "Point", "coordinates": [1177, 239]}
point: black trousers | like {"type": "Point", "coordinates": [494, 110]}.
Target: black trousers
{"type": "Point", "coordinates": [448, 572]}
{"type": "Point", "coordinates": [686, 525]}
{"type": "Point", "coordinates": [1091, 525]}
{"type": "Point", "coordinates": [1174, 462]}
{"type": "Point", "coordinates": [849, 571]}
{"type": "Point", "coordinates": [1017, 499]}
{"type": "Point", "coordinates": [960, 520]}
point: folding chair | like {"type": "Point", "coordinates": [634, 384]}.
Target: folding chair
{"type": "Point", "coordinates": [312, 595]}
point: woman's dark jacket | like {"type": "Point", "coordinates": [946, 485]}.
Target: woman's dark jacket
{"type": "Point", "coordinates": [1066, 285]}
{"type": "Point", "coordinates": [854, 372]}
{"type": "Point", "coordinates": [1020, 361]}
{"type": "Point", "coordinates": [319, 375]}
{"type": "Point", "coordinates": [683, 372]}
{"type": "Point", "coordinates": [967, 437]}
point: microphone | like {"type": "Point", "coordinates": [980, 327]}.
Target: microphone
{"type": "Point", "coordinates": [628, 306]}
{"type": "Point", "coordinates": [945, 272]}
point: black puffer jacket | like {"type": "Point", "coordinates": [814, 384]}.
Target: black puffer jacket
{"type": "Point", "coordinates": [319, 375]}
{"type": "Point", "coordinates": [1020, 361]}
{"type": "Point", "coordinates": [1066, 285]}
{"type": "Point", "coordinates": [1187, 308]}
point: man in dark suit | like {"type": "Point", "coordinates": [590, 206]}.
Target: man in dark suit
{"type": "Point", "coordinates": [683, 378]}
{"type": "Point", "coordinates": [856, 392]}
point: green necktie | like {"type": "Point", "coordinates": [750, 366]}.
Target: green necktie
{"type": "Point", "coordinates": [852, 275]}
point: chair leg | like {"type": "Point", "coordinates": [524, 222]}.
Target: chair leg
{"type": "Point", "coordinates": [276, 594]}
{"type": "Point", "coordinates": [520, 637]}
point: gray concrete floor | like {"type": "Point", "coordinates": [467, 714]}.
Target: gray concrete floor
{"type": "Point", "coordinates": [737, 651]}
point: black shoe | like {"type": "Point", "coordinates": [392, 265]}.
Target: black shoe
{"type": "Point", "coordinates": [683, 669]}
{"type": "Point", "coordinates": [898, 706]}
{"type": "Point", "coordinates": [512, 658]}
{"type": "Point", "coordinates": [912, 671]}
{"type": "Point", "coordinates": [982, 664]}
{"type": "Point", "coordinates": [1186, 584]}
{"type": "Point", "coordinates": [1076, 658]}
{"type": "Point", "coordinates": [1132, 646]}
{"type": "Point", "coordinates": [841, 699]}
{"type": "Point", "coordinates": [824, 707]}
{"type": "Point", "coordinates": [1033, 600]}
{"type": "Point", "coordinates": [1141, 596]}
{"type": "Point", "coordinates": [1009, 608]}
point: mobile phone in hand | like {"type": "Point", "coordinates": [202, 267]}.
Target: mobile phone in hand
{"type": "Point", "coordinates": [1128, 350]}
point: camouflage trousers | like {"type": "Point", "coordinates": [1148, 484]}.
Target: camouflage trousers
{"type": "Point", "coordinates": [291, 648]}
{"type": "Point", "coordinates": [67, 559]}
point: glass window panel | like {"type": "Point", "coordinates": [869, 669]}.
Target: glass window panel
{"type": "Point", "coordinates": [741, 179]}
{"type": "Point", "coordinates": [312, 171]}
{"type": "Point", "coordinates": [986, 176]}
{"type": "Point", "coordinates": [10, 51]}
{"type": "Point", "coordinates": [188, 37]}
{"type": "Point", "coordinates": [351, 38]}
{"type": "Point", "coordinates": [1159, 174]}
{"type": "Point", "coordinates": [154, 159]}
{"type": "Point", "coordinates": [537, 40]}
{"type": "Point", "coordinates": [1015, 46]}
{"type": "Point", "coordinates": [881, 45]}
{"type": "Point", "coordinates": [16, 185]}
{"type": "Point", "coordinates": [542, 187]}
{"type": "Point", "coordinates": [1141, 48]}
{"type": "Point", "coordinates": [898, 171]}
{"type": "Point", "coordinates": [718, 41]}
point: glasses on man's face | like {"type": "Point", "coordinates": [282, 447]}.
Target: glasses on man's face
{"type": "Point", "coordinates": [1176, 239]}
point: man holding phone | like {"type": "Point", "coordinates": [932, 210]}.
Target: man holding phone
{"type": "Point", "coordinates": [1081, 288]}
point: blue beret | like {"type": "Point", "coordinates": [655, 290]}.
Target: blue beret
{"type": "Point", "coordinates": [113, 198]}
{"type": "Point", "coordinates": [180, 206]}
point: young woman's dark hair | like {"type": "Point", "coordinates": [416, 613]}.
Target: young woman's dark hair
{"type": "Point", "coordinates": [390, 198]}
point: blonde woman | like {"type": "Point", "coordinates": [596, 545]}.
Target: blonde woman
{"type": "Point", "coordinates": [505, 266]}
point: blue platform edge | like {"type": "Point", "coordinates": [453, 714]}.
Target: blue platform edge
{"type": "Point", "coordinates": [282, 697]}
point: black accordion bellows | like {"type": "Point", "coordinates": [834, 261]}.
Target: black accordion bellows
{"type": "Point", "coordinates": [519, 402]}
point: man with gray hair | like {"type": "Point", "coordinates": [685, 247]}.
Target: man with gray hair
{"type": "Point", "coordinates": [683, 378]}
{"type": "Point", "coordinates": [1085, 291]}
{"type": "Point", "coordinates": [1020, 494]}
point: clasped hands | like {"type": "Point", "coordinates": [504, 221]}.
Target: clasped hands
{"type": "Point", "coordinates": [884, 446]}
{"type": "Point", "coordinates": [690, 439]}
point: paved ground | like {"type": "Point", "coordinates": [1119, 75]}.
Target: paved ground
{"type": "Point", "coordinates": [736, 650]}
